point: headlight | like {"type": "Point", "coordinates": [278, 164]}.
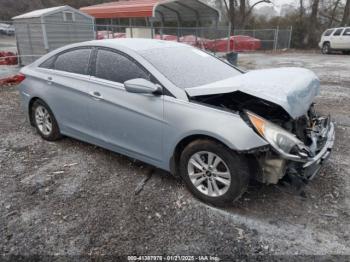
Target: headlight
{"type": "Point", "coordinates": [281, 140]}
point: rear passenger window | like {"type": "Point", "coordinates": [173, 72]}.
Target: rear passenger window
{"type": "Point", "coordinates": [117, 68]}
{"type": "Point", "coordinates": [48, 63]}
{"type": "Point", "coordinates": [75, 61]}
{"type": "Point", "coordinates": [328, 32]}
{"type": "Point", "coordinates": [338, 32]}
{"type": "Point", "coordinates": [347, 32]}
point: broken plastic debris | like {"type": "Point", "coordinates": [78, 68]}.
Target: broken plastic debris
{"type": "Point", "coordinates": [58, 172]}
{"type": "Point", "coordinates": [69, 165]}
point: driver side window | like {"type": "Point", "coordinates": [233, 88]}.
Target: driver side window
{"type": "Point", "coordinates": [117, 68]}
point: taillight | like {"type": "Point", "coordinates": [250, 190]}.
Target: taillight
{"type": "Point", "coordinates": [19, 78]}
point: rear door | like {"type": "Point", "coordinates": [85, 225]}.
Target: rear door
{"type": "Point", "coordinates": [69, 89]}
{"type": "Point", "coordinates": [346, 39]}
{"type": "Point", "coordinates": [337, 38]}
{"type": "Point", "coordinates": [129, 123]}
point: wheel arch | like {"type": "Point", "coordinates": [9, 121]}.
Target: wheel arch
{"type": "Point", "coordinates": [327, 42]}
{"type": "Point", "coordinates": [180, 146]}
{"type": "Point", "coordinates": [30, 105]}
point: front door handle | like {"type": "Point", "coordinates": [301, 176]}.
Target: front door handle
{"type": "Point", "coordinates": [96, 95]}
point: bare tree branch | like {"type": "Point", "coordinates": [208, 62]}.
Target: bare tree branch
{"type": "Point", "coordinates": [301, 8]}
{"type": "Point", "coordinates": [332, 18]}
{"type": "Point", "coordinates": [329, 17]}
{"type": "Point", "coordinates": [227, 8]}
{"type": "Point", "coordinates": [346, 15]}
{"type": "Point", "coordinates": [255, 4]}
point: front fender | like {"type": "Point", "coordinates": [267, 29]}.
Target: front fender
{"type": "Point", "coordinates": [184, 119]}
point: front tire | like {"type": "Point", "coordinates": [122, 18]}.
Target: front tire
{"type": "Point", "coordinates": [213, 172]}
{"type": "Point", "coordinates": [45, 121]}
{"type": "Point", "coordinates": [326, 49]}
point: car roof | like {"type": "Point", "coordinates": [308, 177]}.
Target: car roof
{"type": "Point", "coordinates": [135, 44]}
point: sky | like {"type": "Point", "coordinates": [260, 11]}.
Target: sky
{"type": "Point", "coordinates": [278, 3]}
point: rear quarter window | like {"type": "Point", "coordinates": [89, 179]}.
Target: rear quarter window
{"type": "Point", "coordinates": [48, 63]}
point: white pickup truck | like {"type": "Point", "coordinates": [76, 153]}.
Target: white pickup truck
{"type": "Point", "coordinates": [335, 39]}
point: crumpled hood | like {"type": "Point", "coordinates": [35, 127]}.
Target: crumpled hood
{"type": "Point", "coordinates": [294, 89]}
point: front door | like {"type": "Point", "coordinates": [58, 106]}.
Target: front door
{"type": "Point", "coordinates": [127, 122]}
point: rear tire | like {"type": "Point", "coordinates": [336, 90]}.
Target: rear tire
{"type": "Point", "coordinates": [326, 48]}
{"type": "Point", "coordinates": [45, 121]}
{"type": "Point", "coordinates": [214, 173]}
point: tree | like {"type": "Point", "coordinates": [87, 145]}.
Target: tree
{"type": "Point", "coordinates": [231, 14]}
{"type": "Point", "coordinates": [330, 12]}
{"type": "Point", "coordinates": [301, 9]}
{"type": "Point", "coordinates": [346, 16]}
{"type": "Point", "coordinates": [313, 23]}
{"type": "Point", "coordinates": [238, 18]}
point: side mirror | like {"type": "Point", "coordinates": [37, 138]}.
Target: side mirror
{"type": "Point", "coordinates": [142, 86]}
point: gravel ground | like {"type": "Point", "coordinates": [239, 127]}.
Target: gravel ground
{"type": "Point", "coordinates": [69, 198]}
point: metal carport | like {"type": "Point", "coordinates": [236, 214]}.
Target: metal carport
{"type": "Point", "coordinates": [157, 10]}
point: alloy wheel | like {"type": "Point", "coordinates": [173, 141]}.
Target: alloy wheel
{"type": "Point", "coordinates": [209, 173]}
{"type": "Point", "coordinates": [43, 120]}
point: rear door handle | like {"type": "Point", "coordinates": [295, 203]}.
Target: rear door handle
{"type": "Point", "coordinates": [96, 95]}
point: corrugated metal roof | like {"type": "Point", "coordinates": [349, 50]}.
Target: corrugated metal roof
{"type": "Point", "coordinates": [132, 8]}
{"type": "Point", "coordinates": [38, 13]}
{"type": "Point", "coordinates": [48, 11]}
{"type": "Point", "coordinates": [163, 9]}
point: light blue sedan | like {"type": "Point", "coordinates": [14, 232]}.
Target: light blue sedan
{"type": "Point", "coordinates": [182, 110]}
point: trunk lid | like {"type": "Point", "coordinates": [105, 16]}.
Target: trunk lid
{"type": "Point", "coordinates": [294, 89]}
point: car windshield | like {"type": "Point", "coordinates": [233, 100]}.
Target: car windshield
{"type": "Point", "coordinates": [188, 67]}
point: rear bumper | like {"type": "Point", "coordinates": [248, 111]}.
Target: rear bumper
{"type": "Point", "coordinates": [25, 100]}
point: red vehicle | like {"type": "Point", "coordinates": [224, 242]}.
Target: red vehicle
{"type": "Point", "coordinates": [237, 43]}
{"type": "Point", "coordinates": [166, 37]}
{"type": "Point", "coordinates": [109, 35]}
{"type": "Point", "coordinates": [8, 58]}
{"type": "Point", "coordinates": [104, 35]}
{"type": "Point", "coordinates": [119, 35]}
{"type": "Point", "coordinates": [194, 41]}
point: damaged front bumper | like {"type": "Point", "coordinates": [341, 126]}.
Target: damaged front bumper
{"type": "Point", "coordinates": [310, 163]}
{"type": "Point", "coordinates": [304, 161]}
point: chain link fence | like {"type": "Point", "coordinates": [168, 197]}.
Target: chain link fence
{"type": "Point", "coordinates": [213, 39]}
